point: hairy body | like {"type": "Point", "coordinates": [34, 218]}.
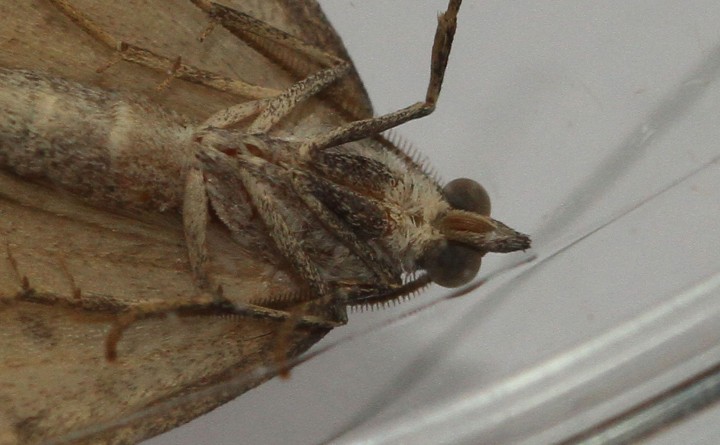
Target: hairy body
{"type": "Point", "coordinates": [125, 153]}
{"type": "Point", "coordinates": [120, 207]}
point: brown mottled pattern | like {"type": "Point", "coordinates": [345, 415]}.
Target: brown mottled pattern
{"type": "Point", "coordinates": [123, 163]}
{"type": "Point", "coordinates": [138, 205]}
{"type": "Point", "coordinates": [364, 215]}
{"type": "Point", "coordinates": [50, 388]}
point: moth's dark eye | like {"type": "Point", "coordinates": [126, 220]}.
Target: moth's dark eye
{"type": "Point", "coordinates": [451, 264]}
{"type": "Point", "coordinates": [466, 194]}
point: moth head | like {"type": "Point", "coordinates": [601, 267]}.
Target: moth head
{"type": "Point", "coordinates": [468, 233]}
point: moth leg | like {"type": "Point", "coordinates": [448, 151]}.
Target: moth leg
{"type": "Point", "coordinates": [135, 54]}
{"type": "Point", "coordinates": [291, 249]}
{"type": "Point", "coordinates": [280, 106]}
{"type": "Point", "coordinates": [22, 279]}
{"type": "Point", "coordinates": [232, 115]}
{"type": "Point", "coordinates": [199, 306]}
{"type": "Point", "coordinates": [75, 291]}
{"type": "Point", "coordinates": [195, 219]}
{"type": "Point", "coordinates": [240, 171]}
{"type": "Point", "coordinates": [272, 110]}
{"type": "Point", "coordinates": [306, 187]}
{"type": "Point", "coordinates": [361, 129]}
{"type": "Point", "coordinates": [270, 40]}
{"type": "Point", "coordinates": [247, 177]}
{"type": "Point", "coordinates": [266, 38]}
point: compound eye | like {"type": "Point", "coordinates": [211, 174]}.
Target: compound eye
{"type": "Point", "coordinates": [451, 264]}
{"type": "Point", "coordinates": [466, 194]}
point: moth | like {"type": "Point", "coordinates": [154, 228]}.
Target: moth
{"type": "Point", "coordinates": [171, 219]}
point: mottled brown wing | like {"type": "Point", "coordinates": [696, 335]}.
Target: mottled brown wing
{"type": "Point", "coordinates": [35, 35]}
{"type": "Point", "coordinates": [306, 20]}
{"type": "Point", "coordinates": [84, 261]}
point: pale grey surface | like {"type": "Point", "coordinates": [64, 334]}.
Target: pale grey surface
{"type": "Point", "coordinates": [701, 429]}
{"type": "Point", "coordinates": [570, 113]}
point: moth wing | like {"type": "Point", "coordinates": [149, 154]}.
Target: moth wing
{"type": "Point", "coordinates": [35, 35]}
{"type": "Point", "coordinates": [85, 261]}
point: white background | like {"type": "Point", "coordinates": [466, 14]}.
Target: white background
{"type": "Point", "coordinates": [570, 113]}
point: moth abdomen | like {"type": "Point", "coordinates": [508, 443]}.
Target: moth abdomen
{"type": "Point", "coordinates": [110, 149]}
